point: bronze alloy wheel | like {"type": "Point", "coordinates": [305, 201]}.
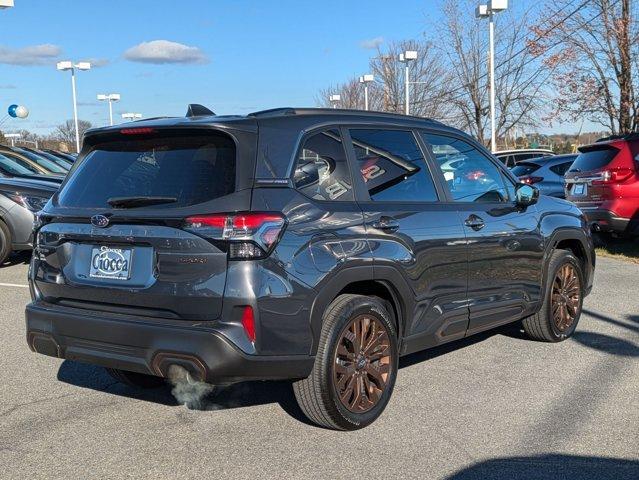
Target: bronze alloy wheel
{"type": "Point", "coordinates": [362, 364]}
{"type": "Point", "coordinates": [565, 297]}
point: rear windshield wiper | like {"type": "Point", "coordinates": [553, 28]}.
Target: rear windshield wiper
{"type": "Point", "coordinates": [133, 202]}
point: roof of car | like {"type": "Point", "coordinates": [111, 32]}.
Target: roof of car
{"type": "Point", "coordinates": [306, 116]}
{"type": "Point", "coordinates": [523, 150]}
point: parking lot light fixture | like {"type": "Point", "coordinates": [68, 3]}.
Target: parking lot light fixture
{"type": "Point", "coordinates": [335, 99]}
{"type": "Point", "coordinates": [407, 57]}
{"type": "Point", "coordinates": [63, 67]}
{"type": "Point", "coordinates": [110, 98]}
{"type": "Point", "coordinates": [131, 116]}
{"type": "Point", "coordinates": [487, 11]}
{"type": "Point", "coordinates": [366, 79]}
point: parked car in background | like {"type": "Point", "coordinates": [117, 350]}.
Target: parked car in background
{"type": "Point", "coordinates": [604, 183]}
{"type": "Point", "coordinates": [49, 166]}
{"type": "Point", "coordinates": [316, 245]}
{"type": "Point", "coordinates": [510, 158]}
{"type": "Point", "coordinates": [546, 173]}
{"type": "Point", "coordinates": [65, 156]}
{"type": "Point", "coordinates": [66, 164]}
{"type": "Point", "coordinates": [37, 168]}
{"type": "Point", "coordinates": [20, 198]}
{"type": "Point", "coordinates": [11, 167]}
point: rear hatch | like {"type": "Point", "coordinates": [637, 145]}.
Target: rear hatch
{"type": "Point", "coordinates": [591, 179]}
{"type": "Point", "coordinates": [113, 237]}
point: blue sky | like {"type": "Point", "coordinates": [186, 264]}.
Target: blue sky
{"type": "Point", "coordinates": [246, 55]}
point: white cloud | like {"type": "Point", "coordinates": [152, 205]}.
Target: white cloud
{"type": "Point", "coordinates": [371, 43]}
{"type": "Point", "coordinates": [164, 51]}
{"type": "Point", "coordinates": [32, 55]}
{"type": "Point", "coordinates": [97, 62]}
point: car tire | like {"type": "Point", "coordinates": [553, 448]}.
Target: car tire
{"type": "Point", "coordinates": [357, 351]}
{"type": "Point", "coordinates": [562, 303]}
{"type": "Point", "coordinates": [134, 379]}
{"type": "Point", "coordinates": [5, 242]}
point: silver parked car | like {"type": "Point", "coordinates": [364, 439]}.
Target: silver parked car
{"type": "Point", "coordinates": [20, 198]}
{"type": "Point", "coordinates": [545, 173]}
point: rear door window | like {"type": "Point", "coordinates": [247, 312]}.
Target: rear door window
{"type": "Point", "coordinates": [13, 167]}
{"type": "Point", "coordinates": [192, 168]}
{"type": "Point", "coordinates": [392, 166]}
{"type": "Point", "coordinates": [593, 158]}
{"type": "Point", "coordinates": [321, 171]}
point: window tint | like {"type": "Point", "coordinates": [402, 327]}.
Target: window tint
{"type": "Point", "coordinates": [592, 158]}
{"type": "Point", "coordinates": [192, 168]}
{"type": "Point", "coordinates": [322, 171]}
{"type": "Point", "coordinates": [392, 166]}
{"type": "Point", "coordinates": [525, 168]}
{"type": "Point", "coordinates": [43, 162]}
{"type": "Point", "coordinates": [469, 175]}
{"type": "Point", "coordinates": [561, 168]}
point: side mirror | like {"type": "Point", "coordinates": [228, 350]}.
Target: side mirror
{"type": "Point", "coordinates": [526, 195]}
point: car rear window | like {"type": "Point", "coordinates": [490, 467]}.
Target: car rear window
{"type": "Point", "coordinates": [525, 168]}
{"type": "Point", "coordinates": [192, 169]}
{"type": "Point", "coordinates": [593, 158]}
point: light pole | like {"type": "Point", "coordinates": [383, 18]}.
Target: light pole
{"type": "Point", "coordinates": [366, 79]}
{"type": "Point", "coordinates": [334, 99]}
{"type": "Point", "coordinates": [68, 65]}
{"type": "Point", "coordinates": [131, 116]}
{"type": "Point", "coordinates": [6, 4]}
{"type": "Point", "coordinates": [407, 57]}
{"type": "Point", "coordinates": [111, 97]}
{"type": "Point", "coordinates": [487, 11]}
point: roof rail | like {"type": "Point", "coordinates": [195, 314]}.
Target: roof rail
{"type": "Point", "coordinates": [197, 110]}
{"type": "Point", "coordinates": [625, 136]}
{"type": "Point", "coordinates": [327, 111]}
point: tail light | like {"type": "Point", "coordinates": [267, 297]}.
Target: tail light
{"type": "Point", "coordinates": [614, 176]}
{"type": "Point", "coordinates": [529, 180]}
{"type": "Point", "coordinates": [137, 131]}
{"type": "Point", "coordinates": [250, 235]}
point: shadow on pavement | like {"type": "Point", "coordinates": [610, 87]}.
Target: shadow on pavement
{"type": "Point", "coordinates": [20, 258]}
{"type": "Point", "coordinates": [246, 394]}
{"type": "Point", "coordinates": [550, 467]}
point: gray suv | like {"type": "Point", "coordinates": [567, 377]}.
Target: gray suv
{"type": "Point", "coordinates": [305, 244]}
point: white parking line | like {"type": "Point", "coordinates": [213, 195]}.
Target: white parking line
{"type": "Point", "coordinates": [13, 285]}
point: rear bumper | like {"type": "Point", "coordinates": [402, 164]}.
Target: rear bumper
{"type": "Point", "coordinates": [150, 347]}
{"type": "Point", "coordinates": [605, 220]}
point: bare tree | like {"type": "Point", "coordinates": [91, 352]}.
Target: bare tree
{"type": "Point", "coordinates": [65, 132]}
{"type": "Point", "coordinates": [519, 82]}
{"type": "Point", "coordinates": [386, 93]}
{"type": "Point", "coordinates": [595, 49]}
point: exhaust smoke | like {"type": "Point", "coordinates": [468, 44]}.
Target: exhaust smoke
{"type": "Point", "coordinates": [189, 392]}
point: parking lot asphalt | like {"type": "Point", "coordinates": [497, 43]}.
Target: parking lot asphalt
{"type": "Point", "coordinates": [495, 406]}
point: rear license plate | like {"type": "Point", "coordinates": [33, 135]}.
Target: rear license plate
{"type": "Point", "coordinates": [579, 189]}
{"type": "Point", "coordinates": [110, 262]}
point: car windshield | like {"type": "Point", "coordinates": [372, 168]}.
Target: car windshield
{"type": "Point", "coordinates": [189, 169]}
{"type": "Point", "coordinates": [10, 166]}
{"type": "Point", "coordinates": [525, 168]}
{"type": "Point", "coordinates": [43, 162]}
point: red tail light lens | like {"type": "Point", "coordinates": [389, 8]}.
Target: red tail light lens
{"type": "Point", "coordinates": [248, 322]}
{"type": "Point", "coordinates": [475, 175]}
{"type": "Point", "coordinates": [251, 235]}
{"type": "Point", "coordinates": [137, 131]}
{"type": "Point", "coordinates": [614, 176]}
{"type": "Point", "coordinates": [530, 180]}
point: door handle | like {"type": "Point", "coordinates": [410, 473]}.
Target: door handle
{"type": "Point", "coordinates": [475, 222]}
{"type": "Point", "coordinates": [386, 224]}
